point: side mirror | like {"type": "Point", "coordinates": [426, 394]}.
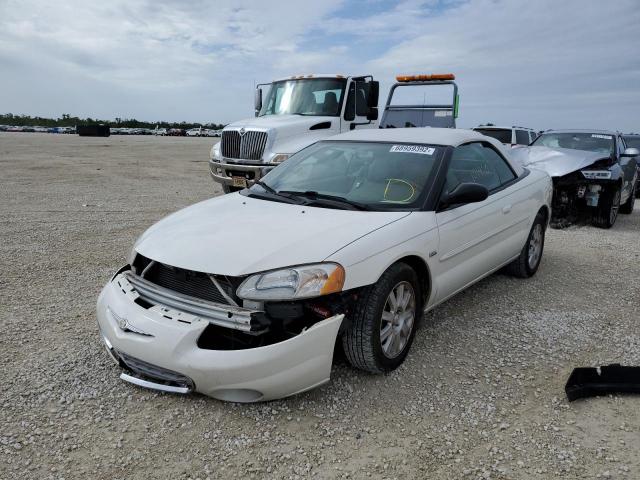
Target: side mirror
{"type": "Point", "coordinates": [372, 113]}
{"type": "Point", "coordinates": [374, 94]}
{"type": "Point", "coordinates": [631, 152]}
{"type": "Point", "coordinates": [257, 102]}
{"type": "Point", "coordinates": [465, 193]}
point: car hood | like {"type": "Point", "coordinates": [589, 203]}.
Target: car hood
{"type": "Point", "coordinates": [557, 162]}
{"type": "Point", "coordinates": [237, 235]}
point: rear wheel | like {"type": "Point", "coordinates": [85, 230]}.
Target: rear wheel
{"type": "Point", "coordinates": [384, 322]}
{"type": "Point", "coordinates": [627, 207]}
{"type": "Point", "coordinates": [526, 265]}
{"type": "Point", "coordinates": [607, 211]}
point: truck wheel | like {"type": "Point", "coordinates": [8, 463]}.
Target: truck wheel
{"type": "Point", "coordinates": [526, 265]}
{"type": "Point", "coordinates": [228, 188]}
{"type": "Point", "coordinates": [384, 322]}
{"type": "Point", "coordinates": [627, 207]}
{"type": "Point", "coordinates": [607, 211]}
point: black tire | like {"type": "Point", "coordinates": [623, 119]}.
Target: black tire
{"type": "Point", "coordinates": [607, 211]}
{"type": "Point", "coordinates": [627, 207]}
{"type": "Point", "coordinates": [362, 342]}
{"type": "Point", "coordinates": [527, 263]}
{"type": "Point", "coordinates": [229, 189]}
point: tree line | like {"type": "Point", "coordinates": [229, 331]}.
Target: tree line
{"type": "Point", "coordinates": [68, 121]}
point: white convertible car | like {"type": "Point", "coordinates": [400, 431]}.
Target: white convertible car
{"type": "Point", "coordinates": [244, 296]}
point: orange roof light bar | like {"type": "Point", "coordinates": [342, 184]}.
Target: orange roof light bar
{"type": "Point", "coordinates": [425, 78]}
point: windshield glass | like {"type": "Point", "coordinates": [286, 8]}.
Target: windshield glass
{"type": "Point", "coordinates": [309, 96]}
{"type": "Point", "coordinates": [632, 142]}
{"type": "Point", "coordinates": [503, 135]}
{"type": "Point", "coordinates": [589, 142]}
{"type": "Point", "coordinates": [381, 176]}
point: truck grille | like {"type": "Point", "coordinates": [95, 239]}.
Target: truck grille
{"type": "Point", "coordinates": [249, 146]}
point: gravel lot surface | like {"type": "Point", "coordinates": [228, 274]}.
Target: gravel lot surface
{"type": "Point", "coordinates": [480, 396]}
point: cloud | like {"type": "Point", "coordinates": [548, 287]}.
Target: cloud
{"type": "Point", "coordinates": [540, 63]}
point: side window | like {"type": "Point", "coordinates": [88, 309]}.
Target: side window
{"type": "Point", "coordinates": [476, 163]}
{"type": "Point", "coordinates": [357, 100]}
{"type": "Point", "coordinates": [522, 137]}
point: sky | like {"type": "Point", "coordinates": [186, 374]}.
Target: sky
{"type": "Point", "coordinates": [536, 63]}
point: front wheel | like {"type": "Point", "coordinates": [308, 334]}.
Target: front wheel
{"type": "Point", "coordinates": [384, 322]}
{"type": "Point", "coordinates": [607, 211]}
{"type": "Point", "coordinates": [527, 263]}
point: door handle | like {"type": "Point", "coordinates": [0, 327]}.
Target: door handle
{"type": "Point", "coordinates": [506, 209]}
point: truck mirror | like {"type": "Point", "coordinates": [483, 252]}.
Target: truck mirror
{"type": "Point", "coordinates": [372, 113]}
{"type": "Point", "coordinates": [258, 101]}
{"type": "Point", "coordinates": [374, 94]}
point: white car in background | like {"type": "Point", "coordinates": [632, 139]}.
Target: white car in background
{"type": "Point", "coordinates": [511, 136]}
{"type": "Point", "coordinates": [242, 297]}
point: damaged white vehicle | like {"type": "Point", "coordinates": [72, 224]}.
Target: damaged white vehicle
{"type": "Point", "coordinates": [594, 174]}
{"type": "Point", "coordinates": [243, 297]}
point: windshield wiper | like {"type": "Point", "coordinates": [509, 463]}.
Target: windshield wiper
{"type": "Point", "coordinates": [270, 192]}
{"type": "Point", "coordinates": [328, 200]}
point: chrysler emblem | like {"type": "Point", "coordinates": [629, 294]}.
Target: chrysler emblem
{"type": "Point", "coordinates": [126, 326]}
{"type": "Point", "coordinates": [242, 131]}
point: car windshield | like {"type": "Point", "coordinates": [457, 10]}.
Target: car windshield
{"type": "Point", "coordinates": [309, 96]}
{"type": "Point", "coordinates": [589, 142]}
{"type": "Point", "coordinates": [377, 176]}
{"type": "Point", "coordinates": [503, 135]}
{"type": "Point", "coordinates": [633, 142]}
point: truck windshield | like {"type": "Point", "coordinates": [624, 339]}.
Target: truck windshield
{"type": "Point", "coordinates": [380, 176]}
{"type": "Point", "coordinates": [589, 142]}
{"type": "Point", "coordinates": [503, 135]}
{"type": "Point", "coordinates": [308, 96]}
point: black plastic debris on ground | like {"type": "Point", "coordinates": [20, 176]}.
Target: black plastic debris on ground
{"type": "Point", "coordinates": [592, 382]}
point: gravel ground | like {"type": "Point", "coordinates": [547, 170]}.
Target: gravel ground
{"type": "Point", "coordinates": [480, 396]}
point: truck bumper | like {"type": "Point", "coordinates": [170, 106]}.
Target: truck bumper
{"type": "Point", "coordinates": [227, 173]}
{"type": "Point", "coordinates": [161, 353]}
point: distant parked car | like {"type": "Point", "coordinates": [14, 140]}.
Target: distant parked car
{"type": "Point", "coordinates": [160, 131]}
{"type": "Point", "coordinates": [593, 172]}
{"type": "Point", "coordinates": [195, 132]}
{"type": "Point", "coordinates": [176, 132]}
{"type": "Point", "coordinates": [633, 141]}
{"type": "Point", "coordinates": [513, 136]}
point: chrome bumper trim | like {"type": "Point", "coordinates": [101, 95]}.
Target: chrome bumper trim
{"type": "Point", "coordinates": [238, 167]}
{"type": "Point", "coordinates": [228, 316]}
{"type": "Point", "coordinates": [152, 385]}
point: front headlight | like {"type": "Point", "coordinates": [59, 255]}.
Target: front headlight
{"type": "Point", "coordinates": [280, 157]}
{"type": "Point", "coordinates": [216, 154]}
{"type": "Point", "coordinates": [293, 283]}
{"type": "Point", "coordinates": [597, 174]}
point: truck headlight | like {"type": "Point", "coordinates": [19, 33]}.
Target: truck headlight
{"type": "Point", "coordinates": [293, 283]}
{"type": "Point", "coordinates": [280, 157]}
{"type": "Point", "coordinates": [597, 174]}
{"type": "Point", "coordinates": [216, 153]}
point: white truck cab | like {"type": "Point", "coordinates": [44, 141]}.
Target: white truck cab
{"type": "Point", "coordinates": [300, 110]}
{"type": "Point", "coordinates": [296, 112]}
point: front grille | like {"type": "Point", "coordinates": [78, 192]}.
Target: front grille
{"type": "Point", "coordinates": [187, 282]}
{"type": "Point", "coordinates": [153, 372]}
{"type": "Point", "coordinates": [249, 146]}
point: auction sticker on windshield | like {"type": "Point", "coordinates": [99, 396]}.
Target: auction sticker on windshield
{"type": "Point", "coordinates": [605, 137]}
{"type": "Point", "coordinates": [421, 149]}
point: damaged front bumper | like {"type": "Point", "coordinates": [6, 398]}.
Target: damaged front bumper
{"type": "Point", "coordinates": [158, 349]}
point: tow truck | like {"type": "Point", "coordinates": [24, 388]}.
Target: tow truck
{"type": "Point", "coordinates": [300, 110]}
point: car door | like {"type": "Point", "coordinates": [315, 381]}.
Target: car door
{"type": "Point", "coordinates": [477, 238]}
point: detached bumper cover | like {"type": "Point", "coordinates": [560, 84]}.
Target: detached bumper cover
{"type": "Point", "coordinates": [265, 373]}
{"type": "Point", "coordinates": [615, 378]}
